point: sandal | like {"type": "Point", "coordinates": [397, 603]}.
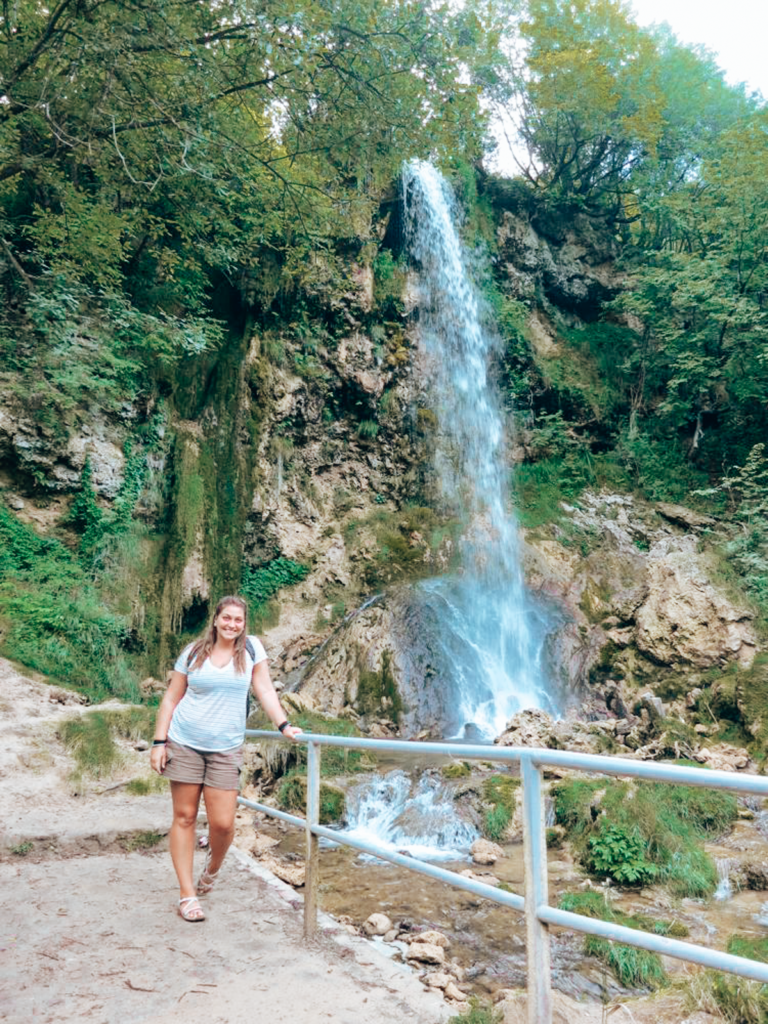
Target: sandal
{"type": "Point", "coordinates": [190, 909]}
{"type": "Point", "coordinates": [207, 878]}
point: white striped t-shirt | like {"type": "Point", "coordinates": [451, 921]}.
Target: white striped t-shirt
{"type": "Point", "coordinates": [211, 714]}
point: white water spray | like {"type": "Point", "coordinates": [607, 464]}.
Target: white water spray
{"type": "Point", "coordinates": [490, 631]}
{"type": "Point", "coordinates": [399, 815]}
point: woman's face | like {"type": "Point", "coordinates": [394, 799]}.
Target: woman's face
{"type": "Point", "coordinates": [230, 622]}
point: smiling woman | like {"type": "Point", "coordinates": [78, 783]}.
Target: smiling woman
{"type": "Point", "coordinates": [199, 738]}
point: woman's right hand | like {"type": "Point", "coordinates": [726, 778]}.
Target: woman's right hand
{"type": "Point", "coordinates": [157, 758]}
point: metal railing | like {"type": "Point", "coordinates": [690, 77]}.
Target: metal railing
{"type": "Point", "coordinates": [539, 915]}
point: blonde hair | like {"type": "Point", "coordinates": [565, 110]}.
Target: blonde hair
{"type": "Point", "coordinates": [202, 648]}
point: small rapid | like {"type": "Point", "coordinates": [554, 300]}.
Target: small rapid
{"type": "Point", "coordinates": [401, 815]}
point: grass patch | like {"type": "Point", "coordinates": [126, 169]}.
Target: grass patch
{"type": "Point", "coordinates": [292, 796]}
{"type": "Point", "coordinates": [635, 833]}
{"type": "Point", "coordinates": [500, 792]}
{"type": "Point", "coordinates": [457, 770]}
{"type": "Point", "coordinates": [729, 998]}
{"type": "Point", "coordinates": [22, 849]}
{"type": "Point", "coordinates": [406, 542]}
{"type": "Point", "coordinates": [135, 842]}
{"type": "Point", "coordinates": [146, 785]}
{"type": "Point", "coordinates": [632, 967]}
{"type": "Point", "coordinates": [478, 1013]}
{"type": "Point", "coordinates": [90, 737]}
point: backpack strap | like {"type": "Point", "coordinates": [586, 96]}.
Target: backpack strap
{"type": "Point", "coordinates": [251, 650]}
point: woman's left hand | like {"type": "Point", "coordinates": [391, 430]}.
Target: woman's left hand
{"type": "Point", "coordinates": [291, 731]}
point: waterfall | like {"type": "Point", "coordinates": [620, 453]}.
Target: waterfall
{"type": "Point", "coordinates": [490, 633]}
{"type": "Point", "coordinates": [725, 866]}
{"type": "Point", "coordinates": [402, 816]}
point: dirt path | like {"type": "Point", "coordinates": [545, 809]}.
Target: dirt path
{"type": "Point", "coordinates": [90, 932]}
{"type": "Point", "coordinates": [98, 939]}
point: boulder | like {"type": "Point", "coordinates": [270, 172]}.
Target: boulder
{"type": "Point", "coordinates": [485, 852]}
{"type": "Point", "coordinates": [377, 924]}
{"type": "Point", "coordinates": [685, 620]}
{"type": "Point", "coordinates": [426, 953]}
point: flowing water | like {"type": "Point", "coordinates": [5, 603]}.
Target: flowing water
{"type": "Point", "coordinates": [488, 629]}
{"type": "Point", "coordinates": [406, 816]}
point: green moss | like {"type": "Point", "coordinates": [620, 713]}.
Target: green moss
{"type": "Point", "coordinates": [457, 770]}
{"type": "Point", "coordinates": [22, 849]}
{"type": "Point", "coordinates": [377, 692]}
{"type": "Point", "coordinates": [500, 792]}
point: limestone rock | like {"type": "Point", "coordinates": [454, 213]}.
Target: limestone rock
{"type": "Point", "coordinates": [377, 924]}
{"type": "Point", "coordinates": [438, 979]}
{"type": "Point", "coordinates": [683, 516]}
{"type": "Point", "coordinates": [426, 953]}
{"type": "Point", "coordinates": [452, 991]}
{"type": "Point", "coordinates": [485, 877]}
{"type": "Point", "coordinates": [261, 843]}
{"type": "Point", "coordinates": [685, 620]}
{"type": "Point", "coordinates": [293, 874]}
{"type": "Point", "coordinates": [433, 937]}
{"type": "Point", "coordinates": [485, 852]}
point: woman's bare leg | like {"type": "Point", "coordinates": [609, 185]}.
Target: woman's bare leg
{"type": "Point", "coordinates": [186, 801]}
{"type": "Point", "coordinates": [220, 806]}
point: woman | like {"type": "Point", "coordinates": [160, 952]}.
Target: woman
{"type": "Point", "coordinates": [199, 740]}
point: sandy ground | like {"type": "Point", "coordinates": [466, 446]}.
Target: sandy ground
{"type": "Point", "coordinates": [89, 932]}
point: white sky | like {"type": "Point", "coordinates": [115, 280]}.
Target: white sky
{"type": "Point", "coordinates": [735, 30]}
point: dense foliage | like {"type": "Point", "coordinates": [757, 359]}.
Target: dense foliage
{"type": "Point", "coordinates": [173, 174]}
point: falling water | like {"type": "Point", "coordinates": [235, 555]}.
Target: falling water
{"type": "Point", "coordinates": [489, 630]}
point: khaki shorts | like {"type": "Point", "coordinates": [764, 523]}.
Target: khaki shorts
{"type": "Point", "coordinates": [219, 769]}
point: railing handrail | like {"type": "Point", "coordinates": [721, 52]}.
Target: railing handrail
{"type": "Point", "coordinates": [538, 912]}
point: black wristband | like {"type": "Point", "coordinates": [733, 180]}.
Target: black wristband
{"type": "Point", "coordinates": [159, 743]}
{"type": "Point", "coordinates": [283, 726]}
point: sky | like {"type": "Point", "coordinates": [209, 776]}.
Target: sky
{"type": "Point", "coordinates": [735, 30]}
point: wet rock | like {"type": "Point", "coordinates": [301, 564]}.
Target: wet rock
{"type": "Point", "coordinates": [755, 876]}
{"type": "Point", "coordinates": [377, 924]}
{"type": "Point", "coordinates": [426, 953]}
{"type": "Point", "coordinates": [485, 852]}
{"type": "Point", "coordinates": [261, 843]}
{"type": "Point", "coordinates": [484, 876]}
{"type": "Point", "coordinates": [391, 935]}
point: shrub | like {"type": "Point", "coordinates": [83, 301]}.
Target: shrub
{"type": "Point", "coordinates": [634, 833]}
{"type": "Point", "coordinates": [55, 618]}
{"type": "Point", "coordinates": [500, 792]}
{"type": "Point", "coordinates": [292, 796]}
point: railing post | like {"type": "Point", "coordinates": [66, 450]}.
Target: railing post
{"type": "Point", "coordinates": [311, 881]}
{"type": "Point", "coordinates": [537, 933]}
